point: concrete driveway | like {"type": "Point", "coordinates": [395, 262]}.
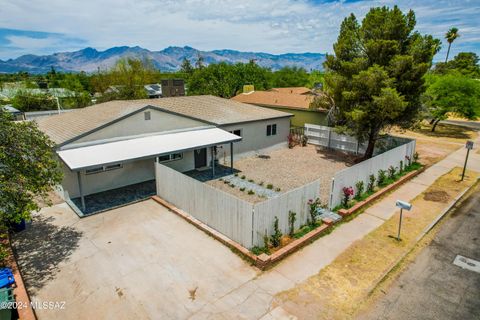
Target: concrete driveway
{"type": "Point", "coordinates": [136, 262]}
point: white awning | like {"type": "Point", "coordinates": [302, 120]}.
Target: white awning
{"type": "Point", "coordinates": [144, 147]}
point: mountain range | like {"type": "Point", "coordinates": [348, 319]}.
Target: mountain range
{"type": "Point", "coordinates": [168, 59]}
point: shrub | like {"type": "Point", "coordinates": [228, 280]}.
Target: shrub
{"type": "Point", "coordinates": [261, 183]}
{"type": "Point", "coordinates": [382, 176]}
{"type": "Point", "coordinates": [220, 179]}
{"type": "Point", "coordinates": [266, 243]}
{"type": "Point", "coordinates": [359, 185]}
{"type": "Point", "coordinates": [408, 161]}
{"type": "Point", "coordinates": [391, 172]}
{"type": "Point", "coordinates": [277, 234]}
{"type": "Point", "coordinates": [242, 189]}
{"type": "Point", "coordinates": [236, 174]}
{"type": "Point", "coordinates": [242, 177]}
{"type": "Point", "coordinates": [251, 180]}
{"type": "Point", "coordinates": [291, 222]}
{"type": "Point", "coordinates": [226, 181]}
{"type": "Point", "coordinates": [277, 189]}
{"type": "Point", "coordinates": [251, 192]}
{"type": "Point", "coordinates": [416, 157]}
{"type": "Point", "coordinates": [347, 193]}
{"type": "Point", "coordinates": [313, 206]}
{"type": "Point", "coordinates": [371, 183]}
{"type": "Point", "coordinates": [270, 186]}
{"type": "Point", "coordinates": [400, 168]}
{"type": "Point", "coordinates": [232, 185]}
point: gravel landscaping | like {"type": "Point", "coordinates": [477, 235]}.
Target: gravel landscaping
{"type": "Point", "coordinates": [286, 169]}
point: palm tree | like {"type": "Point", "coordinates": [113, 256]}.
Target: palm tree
{"type": "Point", "coordinates": [451, 35]}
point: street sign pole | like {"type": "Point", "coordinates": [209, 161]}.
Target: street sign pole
{"type": "Point", "coordinates": [469, 147]}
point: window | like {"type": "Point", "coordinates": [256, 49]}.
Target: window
{"type": "Point", "coordinates": [94, 170]}
{"type": "Point", "coordinates": [104, 168]}
{"type": "Point", "coordinates": [113, 166]}
{"type": "Point", "coordinates": [271, 130]}
{"type": "Point", "coordinates": [170, 157]}
{"type": "Point", "coordinates": [147, 115]}
{"type": "Point", "coordinates": [237, 132]}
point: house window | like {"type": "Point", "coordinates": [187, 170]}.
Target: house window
{"type": "Point", "coordinates": [94, 170]}
{"type": "Point", "coordinates": [147, 115]}
{"type": "Point", "coordinates": [237, 132]}
{"type": "Point", "coordinates": [113, 166]}
{"type": "Point", "coordinates": [170, 157]}
{"type": "Point", "coordinates": [104, 168]}
{"type": "Point", "coordinates": [271, 130]}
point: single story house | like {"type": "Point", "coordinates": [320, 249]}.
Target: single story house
{"type": "Point", "coordinates": [297, 101]}
{"type": "Point", "coordinates": [115, 144]}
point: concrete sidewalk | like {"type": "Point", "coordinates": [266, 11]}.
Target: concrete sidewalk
{"type": "Point", "coordinates": [253, 299]}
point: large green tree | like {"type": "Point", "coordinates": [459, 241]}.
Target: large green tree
{"type": "Point", "coordinates": [290, 77]}
{"type": "Point", "coordinates": [375, 77]}
{"type": "Point", "coordinates": [28, 169]}
{"type": "Point", "coordinates": [452, 93]}
{"type": "Point", "coordinates": [465, 63]}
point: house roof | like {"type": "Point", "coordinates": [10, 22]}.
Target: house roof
{"type": "Point", "coordinates": [213, 110]}
{"type": "Point", "coordinates": [292, 90]}
{"type": "Point", "coordinates": [276, 99]}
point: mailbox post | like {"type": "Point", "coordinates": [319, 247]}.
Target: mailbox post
{"type": "Point", "coordinates": [469, 146]}
{"type": "Point", "coordinates": [402, 205]}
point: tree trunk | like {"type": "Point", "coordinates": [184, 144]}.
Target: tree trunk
{"type": "Point", "coordinates": [448, 52]}
{"type": "Point", "coordinates": [432, 121]}
{"type": "Point", "coordinates": [435, 124]}
{"type": "Point", "coordinates": [370, 147]}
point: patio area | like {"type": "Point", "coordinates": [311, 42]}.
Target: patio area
{"type": "Point", "coordinates": [106, 200]}
{"type": "Point", "coordinates": [285, 169]}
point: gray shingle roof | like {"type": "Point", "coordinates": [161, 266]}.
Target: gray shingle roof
{"type": "Point", "coordinates": [210, 109]}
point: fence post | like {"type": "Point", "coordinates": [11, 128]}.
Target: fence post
{"type": "Point", "coordinates": [329, 136]}
{"type": "Point", "coordinates": [253, 224]}
{"type": "Point", "coordinates": [330, 200]}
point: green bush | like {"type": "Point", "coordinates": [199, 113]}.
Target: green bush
{"type": "Point", "coordinates": [391, 172]}
{"type": "Point", "coordinates": [277, 234]}
{"type": "Point", "coordinates": [371, 183]}
{"type": "Point", "coordinates": [242, 177]}
{"type": "Point", "coordinates": [270, 186]}
{"type": "Point", "coordinates": [261, 183]}
{"type": "Point", "coordinates": [232, 185]}
{"type": "Point", "coordinates": [359, 186]}
{"type": "Point", "coordinates": [251, 180]}
{"type": "Point", "coordinates": [381, 177]}
{"type": "Point", "coordinates": [251, 192]}
{"type": "Point", "coordinates": [278, 189]}
{"type": "Point", "coordinates": [291, 222]}
{"type": "Point", "coordinates": [242, 189]}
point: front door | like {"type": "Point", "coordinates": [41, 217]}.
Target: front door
{"type": "Point", "coordinates": [200, 158]}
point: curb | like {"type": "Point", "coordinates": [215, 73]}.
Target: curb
{"type": "Point", "coordinates": [421, 235]}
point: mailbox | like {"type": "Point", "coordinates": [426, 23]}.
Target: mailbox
{"type": "Point", "coordinates": [404, 205]}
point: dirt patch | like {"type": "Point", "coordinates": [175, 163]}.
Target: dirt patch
{"type": "Point", "coordinates": [288, 169]}
{"type": "Point", "coordinates": [436, 196]}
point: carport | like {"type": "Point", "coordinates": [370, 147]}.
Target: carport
{"type": "Point", "coordinates": [83, 158]}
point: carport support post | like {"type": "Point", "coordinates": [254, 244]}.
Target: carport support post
{"type": "Point", "coordinates": [231, 156]}
{"type": "Point", "coordinates": [213, 161]}
{"type": "Point", "coordinates": [80, 189]}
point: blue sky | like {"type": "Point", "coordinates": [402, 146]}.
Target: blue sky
{"type": "Point", "coordinates": [275, 26]}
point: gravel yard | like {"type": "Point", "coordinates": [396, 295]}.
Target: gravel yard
{"type": "Point", "coordinates": [288, 169]}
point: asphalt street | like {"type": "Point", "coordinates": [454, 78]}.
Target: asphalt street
{"type": "Point", "coordinates": [433, 287]}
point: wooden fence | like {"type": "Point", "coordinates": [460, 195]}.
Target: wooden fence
{"type": "Point", "coordinates": [239, 220]}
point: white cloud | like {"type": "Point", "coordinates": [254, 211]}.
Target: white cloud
{"type": "Point", "coordinates": [275, 26]}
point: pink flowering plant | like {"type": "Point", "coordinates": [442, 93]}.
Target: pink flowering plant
{"type": "Point", "coordinates": [347, 194]}
{"type": "Point", "coordinates": [314, 205]}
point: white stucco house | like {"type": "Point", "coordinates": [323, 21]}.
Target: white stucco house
{"type": "Point", "coordinates": [115, 144]}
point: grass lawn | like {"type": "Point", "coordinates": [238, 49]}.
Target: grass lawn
{"type": "Point", "coordinates": [338, 290]}
{"type": "Point", "coordinates": [434, 146]}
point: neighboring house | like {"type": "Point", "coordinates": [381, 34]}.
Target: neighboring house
{"type": "Point", "coordinates": [297, 101]}
{"type": "Point", "coordinates": [115, 144]}
{"type": "Point", "coordinates": [293, 90]}
{"type": "Point", "coordinates": [16, 114]}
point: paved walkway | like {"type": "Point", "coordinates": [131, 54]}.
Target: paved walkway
{"type": "Point", "coordinates": [253, 299]}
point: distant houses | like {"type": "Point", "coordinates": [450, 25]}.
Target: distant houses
{"type": "Point", "coordinates": [298, 101]}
